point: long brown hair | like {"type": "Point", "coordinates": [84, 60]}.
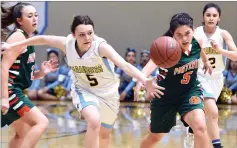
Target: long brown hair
{"type": "Point", "coordinates": [9, 16]}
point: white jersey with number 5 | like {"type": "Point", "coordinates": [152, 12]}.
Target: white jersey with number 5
{"type": "Point", "coordinates": [94, 79]}
{"type": "Point", "coordinates": [216, 59]}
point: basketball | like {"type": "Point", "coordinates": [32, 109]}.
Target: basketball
{"type": "Point", "coordinates": [165, 52]}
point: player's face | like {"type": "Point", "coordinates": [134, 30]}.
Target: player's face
{"type": "Point", "coordinates": [145, 58]}
{"type": "Point", "coordinates": [84, 35]}
{"type": "Point", "coordinates": [184, 36]}
{"type": "Point", "coordinates": [130, 58]}
{"type": "Point", "coordinates": [29, 19]}
{"type": "Point", "coordinates": [211, 17]}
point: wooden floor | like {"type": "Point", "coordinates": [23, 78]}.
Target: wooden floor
{"type": "Point", "coordinates": [67, 131]}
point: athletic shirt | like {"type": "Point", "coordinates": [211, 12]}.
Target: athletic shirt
{"type": "Point", "coordinates": [21, 71]}
{"type": "Point", "coordinates": [216, 59]}
{"type": "Point", "coordinates": [91, 72]}
{"type": "Point", "coordinates": [183, 76]}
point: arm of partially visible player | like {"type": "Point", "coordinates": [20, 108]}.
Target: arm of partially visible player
{"type": "Point", "coordinates": [6, 62]}
{"type": "Point", "coordinates": [50, 40]}
{"type": "Point", "coordinates": [231, 53]}
{"type": "Point", "coordinates": [105, 50]}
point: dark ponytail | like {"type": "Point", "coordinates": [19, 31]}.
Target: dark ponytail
{"type": "Point", "coordinates": [178, 20]}
{"type": "Point", "coordinates": [9, 16]}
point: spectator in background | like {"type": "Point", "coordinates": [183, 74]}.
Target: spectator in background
{"type": "Point", "coordinates": [145, 57]}
{"type": "Point", "coordinates": [47, 92]}
{"type": "Point", "coordinates": [230, 75]}
{"type": "Point", "coordinates": [130, 57]}
{"type": "Point", "coordinates": [62, 86]}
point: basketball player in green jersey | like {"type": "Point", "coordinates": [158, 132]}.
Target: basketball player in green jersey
{"type": "Point", "coordinates": [182, 92]}
{"type": "Point", "coordinates": [18, 111]}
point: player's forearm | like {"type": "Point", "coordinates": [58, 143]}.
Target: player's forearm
{"type": "Point", "coordinates": [134, 72]}
{"type": "Point", "coordinates": [229, 54]}
{"type": "Point", "coordinates": [37, 40]}
{"type": "Point", "coordinates": [203, 56]}
{"type": "Point", "coordinates": [149, 68]}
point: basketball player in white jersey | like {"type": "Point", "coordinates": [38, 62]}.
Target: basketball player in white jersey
{"type": "Point", "coordinates": [217, 43]}
{"type": "Point", "coordinates": [95, 85]}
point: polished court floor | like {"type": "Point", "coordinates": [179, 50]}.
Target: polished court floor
{"type": "Point", "coordinates": [67, 131]}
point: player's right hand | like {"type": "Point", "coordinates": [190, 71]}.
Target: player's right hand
{"type": "Point", "coordinates": [153, 89]}
{"type": "Point", "coordinates": [4, 106]}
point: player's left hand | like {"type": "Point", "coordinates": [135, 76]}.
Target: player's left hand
{"type": "Point", "coordinates": [49, 66]}
{"type": "Point", "coordinates": [207, 67]}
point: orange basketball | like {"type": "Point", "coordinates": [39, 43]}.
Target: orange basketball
{"type": "Point", "coordinates": [165, 52]}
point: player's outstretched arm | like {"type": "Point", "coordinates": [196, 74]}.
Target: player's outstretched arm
{"type": "Point", "coordinates": [50, 40]}
{"type": "Point", "coordinates": [105, 50]}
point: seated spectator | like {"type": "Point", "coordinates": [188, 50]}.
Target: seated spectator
{"type": "Point", "coordinates": [63, 84]}
{"type": "Point", "coordinates": [145, 57]}
{"type": "Point", "coordinates": [47, 92]}
{"type": "Point", "coordinates": [130, 57]}
{"type": "Point", "coordinates": [229, 92]}
{"type": "Point", "coordinates": [231, 76]}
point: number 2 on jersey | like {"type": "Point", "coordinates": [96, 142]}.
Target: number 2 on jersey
{"type": "Point", "coordinates": [212, 62]}
{"type": "Point", "coordinates": [93, 80]}
{"type": "Point", "coordinates": [186, 77]}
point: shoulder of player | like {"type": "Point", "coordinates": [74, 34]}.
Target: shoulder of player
{"type": "Point", "coordinates": [15, 37]}
{"type": "Point", "coordinates": [103, 46]}
{"type": "Point", "coordinates": [199, 40]}
{"type": "Point", "coordinates": [225, 34]}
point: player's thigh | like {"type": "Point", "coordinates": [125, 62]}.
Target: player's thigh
{"type": "Point", "coordinates": [163, 116]}
{"type": "Point", "coordinates": [192, 100]}
{"type": "Point", "coordinates": [109, 108]}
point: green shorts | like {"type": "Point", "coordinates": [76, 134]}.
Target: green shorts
{"type": "Point", "coordinates": [19, 104]}
{"type": "Point", "coordinates": [164, 110]}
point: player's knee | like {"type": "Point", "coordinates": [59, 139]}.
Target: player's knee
{"type": "Point", "coordinates": [94, 123]}
{"type": "Point", "coordinates": [199, 128]}
{"type": "Point", "coordinates": [213, 115]}
{"type": "Point", "coordinates": [43, 123]}
{"type": "Point", "coordinates": [105, 135]}
{"type": "Point", "coordinates": [155, 137]}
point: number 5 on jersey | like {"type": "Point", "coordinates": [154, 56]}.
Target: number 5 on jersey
{"type": "Point", "coordinates": [186, 77]}
{"type": "Point", "coordinates": [93, 81]}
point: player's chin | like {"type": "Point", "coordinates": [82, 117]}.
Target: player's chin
{"type": "Point", "coordinates": [87, 46]}
{"type": "Point", "coordinates": [185, 47]}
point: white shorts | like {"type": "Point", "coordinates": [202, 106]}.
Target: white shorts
{"type": "Point", "coordinates": [211, 87]}
{"type": "Point", "coordinates": [108, 107]}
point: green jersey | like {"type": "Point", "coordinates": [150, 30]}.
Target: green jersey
{"type": "Point", "coordinates": [21, 71]}
{"type": "Point", "coordinates": [183, 76]}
